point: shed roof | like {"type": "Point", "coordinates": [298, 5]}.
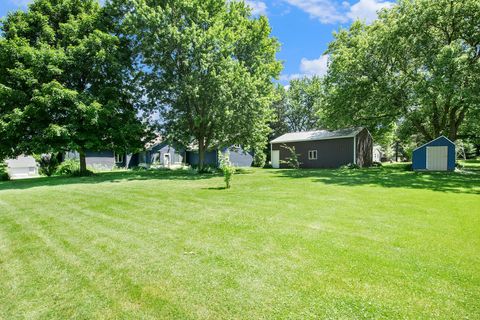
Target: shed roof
{"type": "Point", "coordinates": [317, 135]}
{"type": "Point", "coordinates": [439, 138]}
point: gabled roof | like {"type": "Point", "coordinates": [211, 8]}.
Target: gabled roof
{"type": "Point", "coordinates": [441, 137]}
{"type": "Point", "coordinates": [317, 135]}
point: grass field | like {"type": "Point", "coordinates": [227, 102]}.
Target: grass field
{"type": "Point", "coordinates": [376, 243]}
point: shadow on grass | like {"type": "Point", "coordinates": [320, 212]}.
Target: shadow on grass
{"type": "Point", "coordinates": [215, 188]}
{"type": "Point", "coordinates": [393, 177]}
{"type": "Point", "coordinates": [111, 177]}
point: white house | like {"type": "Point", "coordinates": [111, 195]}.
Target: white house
{"type": "Point", "coordinates": [377, 153]}
{"type": "Point", "coordinates": [22, 167]}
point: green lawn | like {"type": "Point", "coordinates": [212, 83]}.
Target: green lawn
{"type": "Point", "coordinates": [376, 243]}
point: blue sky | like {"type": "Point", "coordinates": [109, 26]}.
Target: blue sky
{"type": "Point", "coordinates": [304, 27]}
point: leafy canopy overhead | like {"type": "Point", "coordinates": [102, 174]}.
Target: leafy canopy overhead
{"type": "Point", "coordinates": [208, 70]}
{"type": "Point", "coordinates": [64, 81]}
{"type": "Point", "coordinates": [417, 65]}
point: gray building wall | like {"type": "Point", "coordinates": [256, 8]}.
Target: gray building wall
{"type": "Point", "coordinates": [238, 157]}
{"type": "Point", "coordinates": [331, 153]}
{"type": "Point", "coordinates": [104, 160]}
{"type": "Point", "coordinates": [157, 155]}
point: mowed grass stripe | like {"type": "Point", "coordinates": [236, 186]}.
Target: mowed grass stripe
{"type": "Point", "coordinates": [274, 246]}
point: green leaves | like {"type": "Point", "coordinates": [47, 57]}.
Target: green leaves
{"type": "Point", "coordinates": [417, 65]}
{"type": "Point", "coordinates": [65, 81]}
{"type": "Point", "coordinates": [208, 70]}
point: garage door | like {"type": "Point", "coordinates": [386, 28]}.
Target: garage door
{"type": "Point", "coordinates": [437, 158]}
{"type": "Point", "coordinates": [276, 159]}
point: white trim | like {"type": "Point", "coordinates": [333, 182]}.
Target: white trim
{"type": "Point", "coordinates": [317, 139]}
{"type": "Point", "coordinates": [314, 152]}
{"type": "Point", "coordinates": [355, 150]}
{"type": "Point", "coordinates": [278, 140]}
{"type": "Point", "coordinates": [425, 144]}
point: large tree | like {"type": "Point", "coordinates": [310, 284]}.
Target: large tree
{"type": "Point", "coordinates": [418, 65]}
{"type": "Point", "coordinates": [208, 67]}
{"type": "Point", "coordinates": [65, 81]}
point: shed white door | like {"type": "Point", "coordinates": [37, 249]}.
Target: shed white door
{"type": "Point", "coordinates": [276, 159]}
{"type": "Point", "coordinates": [437, 158]}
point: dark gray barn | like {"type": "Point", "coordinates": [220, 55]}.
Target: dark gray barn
{"type": "Point", "coordinates": [325, 149]}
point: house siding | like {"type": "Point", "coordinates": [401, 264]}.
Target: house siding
{"type": "Point", "coordinates": [211, 158]}
{"type": "Point", "coordinates": [104, 160]}
{"type": "Point", "coordinates": [238, 157]}
{"type": "Point", "coordinates": [364, 152]}
{"type": "Point", "coordinates": [177, 155]}
{"type": "Point", "coordinates": [331, 153]}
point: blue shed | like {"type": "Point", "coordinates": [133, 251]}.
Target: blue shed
{"type": "Point", "coordinates": [436, 155]}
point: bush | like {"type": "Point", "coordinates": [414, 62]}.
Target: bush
{"type": "Point", "coordinates": [259, 159]}
{"type": "Point", "coordinates": [68, 167]}
{"type": "Point", "coordinates": [4, 172]}
{"type": "Point", "coordinates": [227, 168]}
{"type": "Point", "coordinates": [350, 166]}
{"type": "Point", "coordinates": [48, 164]}
{"type": "Point", "coordinates": [292, 161]}
{"type": "Point", "coordinates": [377, 164]}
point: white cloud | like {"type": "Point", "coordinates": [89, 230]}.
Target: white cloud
{"type": "Point", "coordinates": [309, 68]}
{"type": "Point", "coordinates": [324, 10]}
{"type": "Point", "coordinates": [290, 77]}
{"type": "Point", "coordinates": [367, 10]}
{"type": "Point", "coordinates": [334, 11]}
{"type": "Point", "coordinates": [258, 7]}
{"type": "Point", "coordinates": [315, 67]}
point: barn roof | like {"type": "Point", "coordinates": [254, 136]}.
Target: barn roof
{"type": "Point", "coordinates": [317, 135]}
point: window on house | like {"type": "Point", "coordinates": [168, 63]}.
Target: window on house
{"type": "Point", "coordinates": [312, 155]}
{"type": "Point", "coordinates": [119, 157]}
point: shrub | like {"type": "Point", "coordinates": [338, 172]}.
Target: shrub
{"type": "Point", "coordinates": [377, 164]}
{"type": "Point", "coordinates": [292, 161]}
{"type": "Point", "coordinates": [68, 167]}
{"type": "Point", "coordinates": [350, 166]}
{"type": "Point", "coordinates": [227, 168]}
{"type": "Point", "coordinates": [4, 172]}
{"type": "Point", "coordinates": [48, 164]}
{"type": "Point", "coordinates": [259, 159]}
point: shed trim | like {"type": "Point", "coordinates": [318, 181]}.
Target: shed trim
{"type": "Point", "coordinates": [426, 144]}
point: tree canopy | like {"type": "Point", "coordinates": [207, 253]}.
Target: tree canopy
{"type": "Point", "coordinates": [418, 65]}
{"type": "Point", "coordinates": [65, 81]}
{"type": "Point", "coordinates": [208, 67]}
{"type": "Point", "coordinates": [301, 105]}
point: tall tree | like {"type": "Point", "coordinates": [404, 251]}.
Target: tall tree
{"type": "Point", "coordinates": [65, 81]}
{"type": "Point", "coordinates": [208, 67]}
{"type": "Point", "coordinates": [298, 108]}
{"type": "Point", "coordinates": [304, 104]}
{"type": "Point", "coordinates": [418, 64]}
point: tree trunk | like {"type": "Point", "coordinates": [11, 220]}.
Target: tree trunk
{"type": "Point", "coordinates": [201, 154]}
{"type": "Point", "coordinates": [83, 162]}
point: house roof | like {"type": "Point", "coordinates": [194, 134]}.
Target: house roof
{"type": "Point", "coordinates": [22, 162]}
{"type": "Point", "coordinates": [317, 135]}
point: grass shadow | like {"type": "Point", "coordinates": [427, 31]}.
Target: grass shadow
{"type": "Point", "coordinates": [110, 177]}
{"type": "Point", "coordinates": [215, 188]}
{"type": "Point", "coordinates": [392, 176]}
